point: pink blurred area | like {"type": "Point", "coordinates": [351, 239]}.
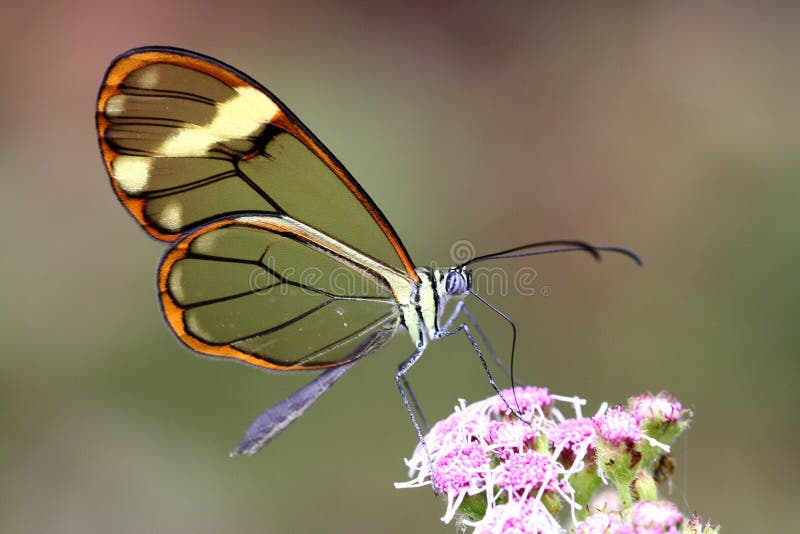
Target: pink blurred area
{"type": "Point", "coordinates": [668, 128]}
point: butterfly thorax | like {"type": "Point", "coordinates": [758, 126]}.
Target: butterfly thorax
{"type": "Point", "coordinates": [422, 316]}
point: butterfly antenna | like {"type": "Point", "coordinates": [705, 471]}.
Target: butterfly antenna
{"type": "Point", "coordinates": [532, 249]}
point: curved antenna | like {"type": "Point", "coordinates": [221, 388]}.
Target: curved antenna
{"type": "Point", "coordinates": [560, 246]}
{"type": "Point", "coordinates": [513, 341]}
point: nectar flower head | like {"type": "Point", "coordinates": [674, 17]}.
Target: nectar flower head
{"type": "Point", "coordinates": [617, 426]}
{"type": "Point", "coordinates": [602, 523]}
{"type": "Point", "coordinates": [524, 472]}
{"type": "Point", "coordinates": [464, 425]}
{"type": "Point", "coordinates": [517, 517]}
{"type": "Point", "coordinates": [459, 472]}
{"type": "Point", "coordinates": [460, 426]}
{"type": "Point", "coordinates": [528, 401]}
{"type": "Point", "coordinates": [663, 407]}
{"type": "Point", "coordinates": [462, 468]}
{"type": "Point", "coordinates": [500, 473]}
{"type": "Point", "coordinates": [509, 437]}
{"type": "Point", "coordinates": [618, 457]}
{"type": "Point", "coordinates": [575, 437]}
{"type": "Point", "coordinates": [656, 517]}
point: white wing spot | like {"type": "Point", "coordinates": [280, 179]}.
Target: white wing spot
{"type": "Point", "coordinates": [148, 78]}
{"type": "Point", "coordinates": [132, 173]}
{"type": "Point", "coordinates": [172, 216]}
{"type": "Point", "coordinates": [115, 106]}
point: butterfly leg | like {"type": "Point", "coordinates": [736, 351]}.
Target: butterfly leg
{"type": "Point", "coordinates": [407, 387]}
{"type": "Point", "coordinates": [461, 307]}
{"type": "Point", "coordinates": [279, 416]}
{"type": "Point", "coordinates": [485, 339]}
{"type": "Point", "coordinates": [402, 383]}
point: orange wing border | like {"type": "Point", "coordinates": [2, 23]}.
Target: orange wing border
{"type": "Point", "coordinates": [124, 64]}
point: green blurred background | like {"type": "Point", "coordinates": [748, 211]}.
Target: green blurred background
{"type": "Point", "coordinates": [671, 128]}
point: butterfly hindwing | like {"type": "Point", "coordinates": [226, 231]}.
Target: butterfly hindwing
{"type": "Point", "coordinates": [272, 292]}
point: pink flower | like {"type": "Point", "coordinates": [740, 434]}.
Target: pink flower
{"type": "Point", "coordinates": [662, 407]}
{"type": "Point", "coordinates": [459, 472]}
{"type": "Point", "coordinates": [507, 437]}
{"type": "Point", "coordinates": [618, 426]}
{"type": "Point", "coordinates": [517, 472]}
{"type": "Point", "coordinates": [656, 516]}
{"type": "Point", "coordinates": [528, 401]}
{"type": "Point", "coordinates": [518, 517]}
{"type": "Point", "coordinates": [575, 437]}
{"type": "Point", "coordinates": [463, 468]}
{"type": "Point", "coordinates": [524, 472]}
{"type": "Point", "coordinates": [602, 523]}
{"type": "Point", "coordinates": [439, 434]}
{"type": "Point", "coordinates": [462, 426]}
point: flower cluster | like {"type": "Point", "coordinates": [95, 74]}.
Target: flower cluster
{"type": "Point", "coordinates": [515, 463]}
{"type": "Point", "coordinates": [644, 517]}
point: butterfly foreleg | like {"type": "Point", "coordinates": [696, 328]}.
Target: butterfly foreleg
{"type": "Point", "coordinates": [489, 348]}
{"type": "Point", "coordinates": [460, 305]}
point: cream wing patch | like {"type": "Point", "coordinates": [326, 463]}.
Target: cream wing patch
{"type": "Point", "coordinates": [116, 106]}
{"type": "Point", "coordinates": [236, 118]}
{"type": "Point", "coordinates": [132, 173]}
{"type": "Point", "coordinates": [172, 216]}
{"type": "Point", "coordinates": [147, 77]}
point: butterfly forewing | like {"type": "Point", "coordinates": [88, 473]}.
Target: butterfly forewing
{"type": "Point", "coordinates": [187, 140]}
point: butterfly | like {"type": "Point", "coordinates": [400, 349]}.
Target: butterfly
{"type": "Point", "coordinates": [278, 258]}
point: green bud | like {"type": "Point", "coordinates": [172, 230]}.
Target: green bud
{"type": "Point", "coordinates": [644, 487]}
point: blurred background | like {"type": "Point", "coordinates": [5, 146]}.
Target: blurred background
{"type": "Point", "coordinates": [670, 128]}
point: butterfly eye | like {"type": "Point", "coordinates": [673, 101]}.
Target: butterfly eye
{"type": "Point", "coordinates": [456, 283]}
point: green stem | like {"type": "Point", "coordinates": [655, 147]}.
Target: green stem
{"type": "Point", "coordinates": [625, 496]}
